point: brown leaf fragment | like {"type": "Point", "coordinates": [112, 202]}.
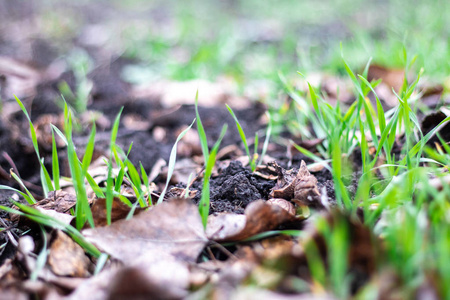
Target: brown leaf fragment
{"type": "Point", "coordinates": [299, 185]}
{"type": "Point", "coordinates": [259, 217]}
{"type": "Point", "coordinates": [67, 258]}
{"type": "Point", "coordinates": [306, 185]}
{"type": "Point", "coordinates": [57, 205]}
{"type": "Point", "coordinates": [59, 201]}
{"type": "Point", "coordinates": [286, 205]}
{"type": "Point", "coordinates": [285, 186]}
{"type": "Point", "coordinates": [180, 192]}
{"type": "Point", "coordinates": [44, 130]}
{"type": "Point", "coordinates": [391, 77]}
{"type": "Point", "coordinates": [119, 211]}
{"type": "Point", "coordinates": [172, 229]}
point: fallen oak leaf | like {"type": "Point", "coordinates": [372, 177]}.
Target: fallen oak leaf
{"type": "Point", "coordinates": [171, 230]}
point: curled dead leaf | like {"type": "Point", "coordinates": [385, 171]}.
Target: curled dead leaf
{"type": "Point", "coordinates": [300, 185]}
{"type": "Point", "coordinates": [305, 185]}
{"type": "Point", "coordinates": [259, 217]}
{"type": "Point", "coordinates": [286, 205]}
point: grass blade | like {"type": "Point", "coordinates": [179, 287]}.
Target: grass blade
{"type": "Point", "coordinates": [241, 131]}
{"type": "Point", "coordinates": [203, 205]}
{"type": "Point", "coordinates": [201, 131]}
{"type": "Point", "coordinates": [172, 159]}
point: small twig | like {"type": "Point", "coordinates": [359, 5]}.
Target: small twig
{"type": "Point", "coordinates": [223, 249]}
{"type": "Point", "coordinates": [192, 182]}
{"type": "Point", "coordinates": [11, 162]}
{"type": "Point", "coordinates": [8, 233]}
{"type": "Point", "coordinates": [208, 249]}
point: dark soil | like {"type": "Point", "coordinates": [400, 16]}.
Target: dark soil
{"type": "Point", "coordinates": [234, 189]}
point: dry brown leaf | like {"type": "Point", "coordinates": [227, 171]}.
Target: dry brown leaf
{"type": "Point", "coordinates": [299, 185]}
{"type": "Point", "coordinates": [259, 217]}
{"type": "Point", "coordinates": [44, 130]}
{"type": "Point", "coordinates": [393, 78]}
{"type": "Point", "coordinates": [306, 185]}
{"type": "Point", "coordinates": [58, 201]}
{"type": "Point", "coordinates": [67, 258]}
{"type": "Point", "coordinates": [119, 211]}
{"type": "Point", "coordinates": [57, 205]}
{"type": "Point", "coordinates": [284, 204]}
{"type": "Point", "coordinates": [390, 79]}
{"type": "Point", "coordinates": [170, 230]}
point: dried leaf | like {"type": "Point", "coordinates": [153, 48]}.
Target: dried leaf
{"type": "Point", "coordinates": [259, 217]}
{"type": "Point", "coordinates": [119, 211]}
{"type": "Point", "coordinates": [285, 185]}
{"type": "Point", "coordinates": [58, 201]}
{"type": "Point", "coordinates": [284, 204]}
{"type": "Point", "coordinates": [393, 78]}
{"type": "Point", "coordinates": [306, 185]}
{"type": "Point", "coordinates": [172, 229]}
{"type": "Point", "coordinates": [299, 185]}
{"type": "Point", "coordinates": [67, 258]}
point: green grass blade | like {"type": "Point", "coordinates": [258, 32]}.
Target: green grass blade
{"type": "Point", "coordinates": [172, 159]}
{"type": "Point", "coordinates": [40, 218]}
{"type": "Point", "coordinates": [380, 111]}
{"type": "Point", "coordinates": [60, 134]}
{"type": "Point", "coordinates": [115, 129]}
{"type": "Point", "coordinates": [266, 140]}
{"type": "Point", "coordinates": [41, 259]}
{"type": "Point", "coordinates": [97, 190]}
{"type": "Point", "coordinates": [240, 130]}
{"type": "Point", "coordinates": [201, 131]}
{"type": "Point", "coordinates": [28, 197]}
{"type": "Point", "coordinates": [109, 193]}
{"type": "Point", "coordinates": [55, 162]}
{"type": "Point", "coordinates": [89, 150]}
{"type": "Point", "coordinates": [204, 203]}
{"type": "Point", "coordinates": [310, 155]}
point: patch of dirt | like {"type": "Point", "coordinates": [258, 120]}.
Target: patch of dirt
{"type": "Point", "coordinates": [234, 189]}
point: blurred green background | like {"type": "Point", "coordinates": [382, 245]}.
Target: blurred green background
{"type": "Point", "coordinates": [241, 39]}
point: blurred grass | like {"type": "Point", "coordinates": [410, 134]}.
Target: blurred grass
{"type": "Point", "coordinates": [255, 39]}
{"type": "Point", "coordinates": [252, 40]}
